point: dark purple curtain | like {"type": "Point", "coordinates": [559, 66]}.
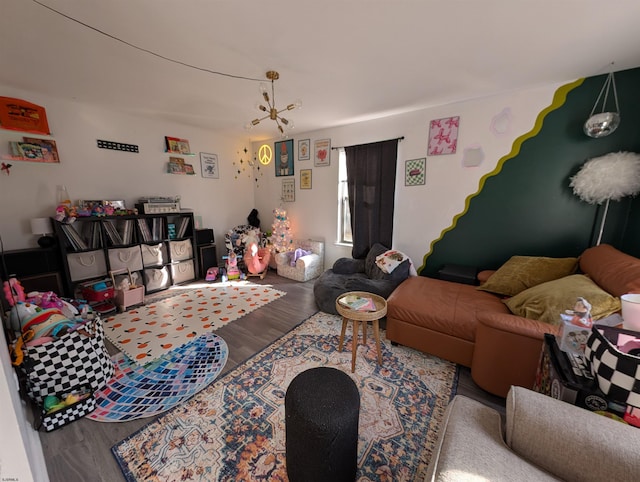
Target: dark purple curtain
{"type": "Point", "coordinates": [371, 181]}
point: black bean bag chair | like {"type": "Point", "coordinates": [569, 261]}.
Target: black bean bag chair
{"type": "Point", "coordinates": [350, 274]}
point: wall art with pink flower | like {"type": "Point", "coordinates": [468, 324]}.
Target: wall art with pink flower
{"type": "Point", "coordinates": [443, 136]}
{"type": "Point", "coordinates": [322, 152]}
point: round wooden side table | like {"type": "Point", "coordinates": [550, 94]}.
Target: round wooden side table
{"type": "Point", "coordinates": [357, 316]}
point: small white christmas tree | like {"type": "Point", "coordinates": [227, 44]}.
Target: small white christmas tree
{"type": "Point", "coordinates": [281, 231]}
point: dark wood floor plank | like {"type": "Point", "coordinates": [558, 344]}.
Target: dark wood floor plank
{"type": "Point", "coordinates": [81, 451]}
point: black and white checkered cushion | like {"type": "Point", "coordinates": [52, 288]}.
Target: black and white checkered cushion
{"type": "Point", "coordinates": [617, 373]}
{"type": "Point", "coordinates": [71, 361]}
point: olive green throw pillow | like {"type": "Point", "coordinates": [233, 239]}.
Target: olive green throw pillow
{"type": "Point", "coordinates": [522, 272]}
{"type": "Point", "coordinates": [546, 301]}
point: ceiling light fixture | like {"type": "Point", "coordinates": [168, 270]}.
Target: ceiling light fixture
{"type": "Point", "coordinates": [604, 123]}
{"type": "Point", "coordinates": [272, 112]}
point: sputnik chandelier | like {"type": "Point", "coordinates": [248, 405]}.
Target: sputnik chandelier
{"type": "Point", "coordinates": [272, 112]}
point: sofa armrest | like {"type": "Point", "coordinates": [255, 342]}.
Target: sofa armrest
{"type": "Point", "coordinates": [500, 339]}
{"type": "Point", "coordinates": [308, 260]}
{"type": "Point", "coordinates": [570, 442]}
{"type": "Point", "coordinates": [470, 441]}
{"type": "Point", "coordinates": [348, 266]}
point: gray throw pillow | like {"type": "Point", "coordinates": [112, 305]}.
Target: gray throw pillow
{"type": "Point", "coordinates": [370, 267]}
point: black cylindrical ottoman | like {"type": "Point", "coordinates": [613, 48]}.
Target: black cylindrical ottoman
{"type": "Point", "coordinates": [322, 406]}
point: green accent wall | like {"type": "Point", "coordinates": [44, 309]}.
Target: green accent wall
{"type": "Point", "coordinates": [526, 207]}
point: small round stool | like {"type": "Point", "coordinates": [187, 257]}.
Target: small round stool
{"type": "Point", "coordinates": [322, 406]}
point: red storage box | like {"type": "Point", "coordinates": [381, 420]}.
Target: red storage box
{"type": "Point", "coordinates": [92, 295]}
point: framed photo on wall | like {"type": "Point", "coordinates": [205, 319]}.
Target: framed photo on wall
{"type": "Point", "coordinates": [322, 152]}
{"type": "Point", "coordinates": [443, 136]}
{"type": "Point", "coordinates": [209, 165]}
{"type": "Point", "coordinates": [283, 154]}
{"type": "Point", "coordinates": [289, 190]}
{"type": "Point", "coordinates": [305, 178]}
{"type": "Point", "coordinates": [304, 150]}
{"type": "Point", "coordinates": [414, 172]}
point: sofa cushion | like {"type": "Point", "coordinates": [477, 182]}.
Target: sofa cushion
{"type": "Point", "coordinates": [616, 272]}
{"type": "Point", "coordinates": [348, 266]}
{"type": "Point", "coordinates": [546, 301]}
{"type": "Point", "coordinates": [522, 272]}
{"type": "Point", "coordinates": [471, 447]}
{"type": "Point", "coordinates": [441, 306]}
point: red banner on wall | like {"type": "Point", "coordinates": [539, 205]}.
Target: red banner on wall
{"type": "Point", "coordinates": [20, 115]}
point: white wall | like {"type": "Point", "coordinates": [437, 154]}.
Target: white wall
{"type": "Point", "coordinates": [92, 173]}
{"type": "Point", "coordinates": [421, 212]}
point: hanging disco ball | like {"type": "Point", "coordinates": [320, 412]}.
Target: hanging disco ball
{"type": "Point", "coordinates": [601, 125]}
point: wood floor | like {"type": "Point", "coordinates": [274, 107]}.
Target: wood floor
{"type": "Point", "coordinates": [81, 451]}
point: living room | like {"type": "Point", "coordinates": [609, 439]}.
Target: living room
{"type": "Point", "coordinates": [551, 113]}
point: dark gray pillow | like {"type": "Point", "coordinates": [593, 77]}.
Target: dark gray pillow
{"type": "Point", "coordinates": [370, 267]}
{"type": "Point", "coordinates": [348, 266]}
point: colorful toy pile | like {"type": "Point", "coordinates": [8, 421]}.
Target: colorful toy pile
{"type": "Point", "coordinates": [38, 318]}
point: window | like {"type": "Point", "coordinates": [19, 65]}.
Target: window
{"type": "Point", "coordinates": [344, 214]}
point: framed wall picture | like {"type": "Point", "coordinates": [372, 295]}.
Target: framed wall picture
{"type": "Point", "coordinates": [283, 154]}
{"type": "Point", "coordinates": [209, 165]}
{"type": "Point", "coordinates": [414, 172]}
{"type": "Point", "coordinates": [322, 152]}
{"type": "Point", "coordinates": [288, 190]}
{"type": "Point", "coordinates": [443, 136]}
{"type": "Point", "coordinates": [304, 150]}
{"type": "Point", "coordinates": [305, 178]}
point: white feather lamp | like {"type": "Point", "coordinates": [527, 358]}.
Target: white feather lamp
{"type": "Point", "coordinates": [613, 176]}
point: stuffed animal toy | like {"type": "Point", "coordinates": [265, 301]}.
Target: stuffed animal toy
{"type": "Point", "coordinates": [256, 259]}
{"type": "Point", "coordinates": [64, 214]}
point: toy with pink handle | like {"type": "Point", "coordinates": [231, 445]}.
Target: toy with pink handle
{"type": "Point", "coordinates": [13, 291]}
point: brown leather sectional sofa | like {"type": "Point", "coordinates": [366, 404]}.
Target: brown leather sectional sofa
{"type": "Point", "coordinates": [475, 328]}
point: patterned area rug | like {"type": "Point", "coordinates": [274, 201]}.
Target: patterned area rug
{"type": "Point", "coordinates": [138, 392]}
{"type": "Point", "coordinates": [234, 429]}
{"type": "Point", "coordinates": [146, 333]}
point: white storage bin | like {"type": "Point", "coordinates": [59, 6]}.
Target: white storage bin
{"type": "Point", "coordinates": [90, 264]}
{"type": "Point", "coordinates": [123, 258]}
{"type": "Point", "coordinates": [183, 271]}
{"type": "Point", "coordinates": [156, 279]}
{"type": "Point", "coordinates": [181, 250]}
{"type": "Point", "coordinates": [153, 254]}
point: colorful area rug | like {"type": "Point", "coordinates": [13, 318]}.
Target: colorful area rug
{"type": "Point", "coordinates": [146, 333]}
{"type": "Point", "coordinates": [235, 428]}
{"type": "Point", "coordinates": [138, 392]}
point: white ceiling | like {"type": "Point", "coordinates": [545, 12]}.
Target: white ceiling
{"type": "Point", "coordinates": [348, 60]}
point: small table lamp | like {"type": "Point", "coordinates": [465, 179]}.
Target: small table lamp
{"type": "Point", "coordinates": [42, 227]}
